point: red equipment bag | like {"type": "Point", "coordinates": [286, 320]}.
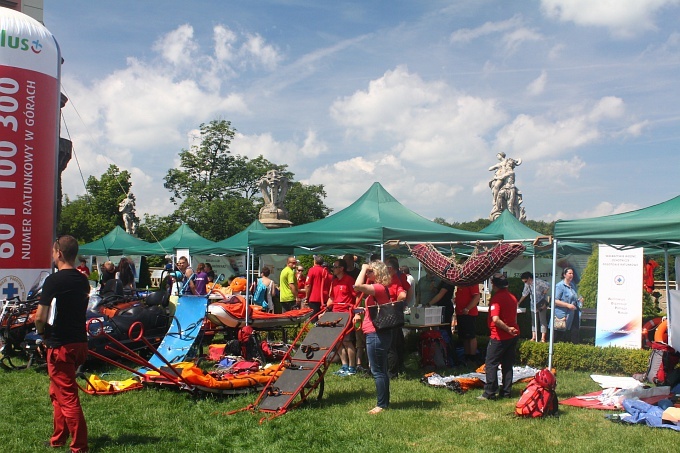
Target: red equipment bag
{"type": "Point", "coordinates": [539, 398]}
{"type": "Point", "coordinates": [662, 362]}
{"type": "Point", "coordinates": [432, 349]}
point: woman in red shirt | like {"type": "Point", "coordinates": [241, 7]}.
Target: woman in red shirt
{"type": "Point", "coordinates": [377, 343]}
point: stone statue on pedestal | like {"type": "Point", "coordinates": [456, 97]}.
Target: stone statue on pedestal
{"type": "Point", "coordinates": [127, 208]}
{"type": "Point", "coordinates": [274, 186]}
{"type": "Point", "coordinates": [504, 193]}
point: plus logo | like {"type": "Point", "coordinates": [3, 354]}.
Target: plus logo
{"type": "Point", "coordinates": [12, 286]}
{"type": "Point", "coordinates": [10, 291]}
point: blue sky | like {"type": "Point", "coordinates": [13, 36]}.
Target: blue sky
{"type": "Point", "coordinates": [418, 95]}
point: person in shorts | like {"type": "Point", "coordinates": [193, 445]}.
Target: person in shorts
{"type": "Point", "coordinates": [466, 301]}
{"type": "Point", "coordinates": [342, 298]}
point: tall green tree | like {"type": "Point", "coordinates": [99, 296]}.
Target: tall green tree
{"type": "Point", "coordinates": [305, 203]}
{"type": "Point", "coordinates": [217, 192]}
{"type": "Point", "coordinates": [91, 216]}
{"type": "Point", "coordinates": [154, 228]}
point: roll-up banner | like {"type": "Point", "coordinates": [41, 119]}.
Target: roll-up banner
{"type": "Point", "coordinates": [619, 298]}
{"type": "Point", "coordinates": [29, 145]}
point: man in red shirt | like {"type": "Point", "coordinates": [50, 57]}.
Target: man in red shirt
{"type": "Point", "coordinates": [342, 298]}
{"type": "Point", "coordinates": [316, 285]}
{"type": "Point", "coordinates": [504, 335]}
{"type": "Point", "coordinates": [467, 299]}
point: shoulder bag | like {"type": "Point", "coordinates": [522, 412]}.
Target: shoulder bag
{"type": "Point", "coordinates": [387, 316]}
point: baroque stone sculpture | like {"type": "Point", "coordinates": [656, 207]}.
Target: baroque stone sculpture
{"type": "Point", "coordinates": [127, 208]}
{"type": "Point", "coordinates": [504, 193]}
{"type": "Point", "coordinates": [274, 187]}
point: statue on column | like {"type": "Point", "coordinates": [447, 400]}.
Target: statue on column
{"type": "Point", "coordinates": [127, 208]}
{"type": "Point", "coordinates": [505, 195]}
{"type": "Point", "coordinates": [274, 186]}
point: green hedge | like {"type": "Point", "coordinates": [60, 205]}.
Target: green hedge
{"type": "Point", "coordinates": [580, 357]}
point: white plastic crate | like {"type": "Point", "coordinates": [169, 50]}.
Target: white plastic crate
{"type": "Point", "coordinates": [426, 316]}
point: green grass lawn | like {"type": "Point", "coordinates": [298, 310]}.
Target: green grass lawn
{"type": "Point", "coordinates": [420, 419]}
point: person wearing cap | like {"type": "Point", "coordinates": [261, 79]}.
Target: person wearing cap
{"type": "Point", "coordinates": [503, 342]}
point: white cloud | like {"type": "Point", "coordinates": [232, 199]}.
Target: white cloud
{"type": "Point", "coordinates": [352, 177]}
{"type": "Point", "coordinates": [264, 144]}
{"type": "Point", "coordinates": [178, 46]}
{"type": "Point", "coordinates": [539, 137]}
{"type": "Point", "coordinates": [263, 53]}
{"type": "Point", "coordinates": [560, 172]}
{"type": "Point", "coordinates": [635, 130]}
{"type": "Point", "coordinates": [514, 39]}
{"type": "Point", "coordinates": [601, 209]}
{"type": "Point", "coordinates": [537, 86]}
{"type": "Point", "coordinates": [488, 28]}
{"type": "Point", "coordinates": [622, 18]}
{"type": "Point", "coordinates": [288, 152]}
{"type": "Point", "coordinates": [312, 147]}
{"type": "Point", "coordinates": [428, 121]}
{"type": "Point", "coordinates": [514, 34]}
{"type": "Point", "coordinates": [224, 43]}
{"type": "Point", "coordinates": [555, 52]}
{"type": "Point", "coordinates": [607, 107]}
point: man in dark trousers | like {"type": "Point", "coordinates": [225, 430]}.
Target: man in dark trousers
{"type": "Point", "coordinates": [60, 319]}
{"type": "Point", "coordinates": [503, 342]}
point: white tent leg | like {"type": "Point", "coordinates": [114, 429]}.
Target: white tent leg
{"type": "Point", "coordinates": [552, 305]}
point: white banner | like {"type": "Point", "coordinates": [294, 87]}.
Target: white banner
{"type": "Point", "coordinates": [220, 264]}
{"type": "Point", "coordinates": [619, 298]}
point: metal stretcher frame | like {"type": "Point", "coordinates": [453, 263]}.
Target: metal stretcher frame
{"type": "Point", "coordinates": [304, 366]}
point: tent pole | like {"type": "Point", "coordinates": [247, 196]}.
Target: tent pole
{"type": "Point", "coordinates": [552, 305]}
{"type": "Point", "coordinates": [668, 299]}
{"type": "Point", "coordinates": [382, 252]}
{"type": "Point", "coordinates": [248, 276]}
{"type": "Point", "coordinates": [532, 302]}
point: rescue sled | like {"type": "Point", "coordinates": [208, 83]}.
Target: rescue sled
{"type": "Point", "coordinates": [231, 312]}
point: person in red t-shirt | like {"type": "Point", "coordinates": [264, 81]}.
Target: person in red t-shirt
{"type": "Point", "coordinates": [316, 285]}
{"type": "Point", "coordinates": [377, 343]}
{"type": "Point", "coordinates": [301, 278]}
{"type": "Point", "coordinates": [342, 298]}
{"type": "Point", "coordinates": [504, 335]}
{"type": "Point", "coordinates": [467, 299]}
{"type": "Point", "coordinates": [83, 269]}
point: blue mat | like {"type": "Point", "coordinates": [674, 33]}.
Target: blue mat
{"type": "Point", "coordinates": [184, 331]}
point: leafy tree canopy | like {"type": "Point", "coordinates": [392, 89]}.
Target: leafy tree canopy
{"type": "Point", "coordinates": [304, 203]}
{"type": "Point", "coordinates": [94, 214]}
{"type": "Point", "coordinates": [479, 224]}
{"type": "Point", "coordinates": [216, 192]}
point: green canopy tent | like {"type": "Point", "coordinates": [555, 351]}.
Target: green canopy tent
{"type": "Point", "coordinates": [654, 227]}
{"type": "Point", "coordinates": [236, 244]}
{"type": "Point", "coordinates": [116, 242]}
{"type": "Point", "coordinates": [182, 238]}
{"type": "Point", "coordinates": [367, 224]}
{"type": "Point", "coordinates": [511, 228]}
